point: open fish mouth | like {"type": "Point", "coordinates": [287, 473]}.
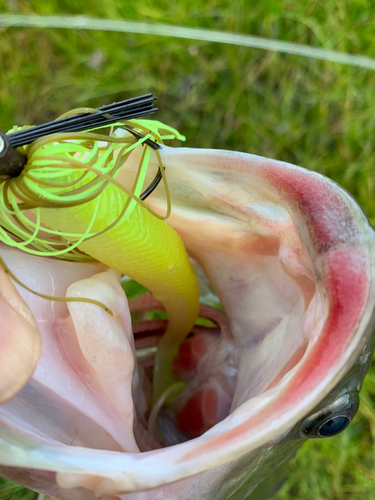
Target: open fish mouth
{"type": "Point", "coordinates": [290, 258]}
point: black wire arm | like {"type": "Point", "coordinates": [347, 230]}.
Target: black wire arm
{"type": "Point", "coordinates": [12, 161]}
{"type": "Point", "coordinates": [118, 111]}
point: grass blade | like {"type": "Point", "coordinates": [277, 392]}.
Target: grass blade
{"type": "Point", "coordinates": [89, 23]}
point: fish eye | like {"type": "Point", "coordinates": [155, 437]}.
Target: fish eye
{"type": "Point", "coordinates": [334, 426]}
{"type": "Point", "coordinates": [332, 419]}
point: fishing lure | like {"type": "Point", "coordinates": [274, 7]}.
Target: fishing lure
{"type": "Point", "coordinates": [63, 195]}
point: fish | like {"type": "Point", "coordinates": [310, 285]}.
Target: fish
{"type": "Point", "coordinates": [285, 262]}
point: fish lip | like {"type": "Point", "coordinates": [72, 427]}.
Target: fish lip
{"type": "Point", "coordinates": [225, 441]}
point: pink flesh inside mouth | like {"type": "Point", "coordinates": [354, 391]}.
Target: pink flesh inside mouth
{"type": "Point", "coordinates": [97, 370]}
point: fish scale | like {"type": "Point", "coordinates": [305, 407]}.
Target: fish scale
{"type": "Point", "coordinates": [147, 250]}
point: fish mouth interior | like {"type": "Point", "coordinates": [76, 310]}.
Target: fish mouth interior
{"type": "Point", "coordinates": [258, 280]}
{"type": "Point", "coordinates": [250, 334]}
{"type": "Point", "coordinates": [223, 363]}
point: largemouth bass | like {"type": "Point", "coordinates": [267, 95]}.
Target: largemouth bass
{"type": "Point", "coordinates": [289, 256]}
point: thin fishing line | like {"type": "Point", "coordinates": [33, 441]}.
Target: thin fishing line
{"type": "Point", "coordinates": [58, 253]}
{"type": "Point", "coordinates": [205, 35]}
{"type": "Point", "coordinates": [61, 164]}
{"type": "Point", "coordinates": [73, 197]}
{"type": "Point", "coordinates": [35, 232]}
{"type": "Point", "coordinates": [53, 297]}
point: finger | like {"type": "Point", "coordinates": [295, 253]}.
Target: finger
{"type": "Point", "coordinates": [20, 340]}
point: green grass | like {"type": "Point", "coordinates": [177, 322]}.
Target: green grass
{"type": "Point", "coordinates": [12, 491]}
{"type": "Point", "coordinates": [312, 113]}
